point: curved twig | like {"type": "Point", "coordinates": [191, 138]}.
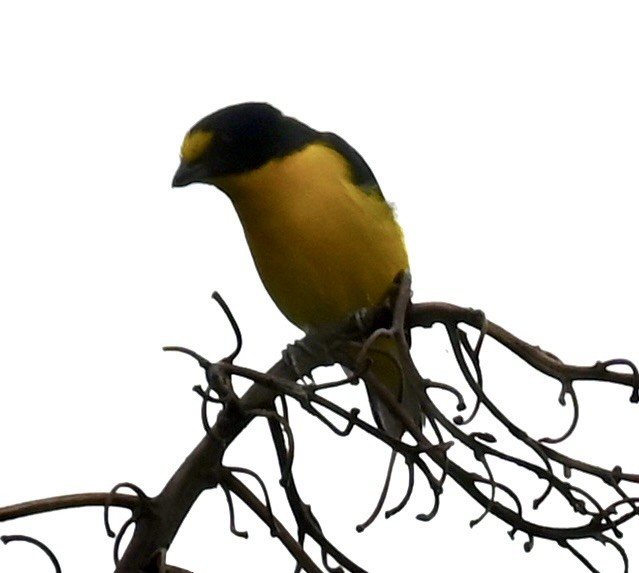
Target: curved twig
{"type": "Point", "coordinates": [382, 496]}
{"type": "Point", "coordinates": [54, 560]}
{"type": "Point", "coordinates": [72, 501]}
{"type": "Point", "coordinates": [217, 297]}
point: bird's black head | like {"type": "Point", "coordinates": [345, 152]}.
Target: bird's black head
{"type": "Point", "coordinates": [238, 139]}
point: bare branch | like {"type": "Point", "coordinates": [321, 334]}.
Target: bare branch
{"type": "Point", "coordinates": [156, 520]}
{"type": "Point", "coordinates": [72, 501]}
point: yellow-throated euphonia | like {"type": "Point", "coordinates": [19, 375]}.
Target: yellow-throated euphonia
{"type": "Point", "coordinates": [324, 240]}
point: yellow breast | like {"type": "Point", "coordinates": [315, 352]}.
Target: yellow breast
{"type": "Point", "coordinates": [323, 247]}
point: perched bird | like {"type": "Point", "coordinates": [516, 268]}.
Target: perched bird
{"type": "Point", "coordinates": [324, 240]}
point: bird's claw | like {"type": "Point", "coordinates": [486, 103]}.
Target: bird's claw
{"type": "Point", "coordinates": [304, 355]}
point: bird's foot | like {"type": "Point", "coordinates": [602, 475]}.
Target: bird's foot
{"type": "Point", "coordinates": [304, 355]}
{"type": "Point", "coordinates": [389, 317]}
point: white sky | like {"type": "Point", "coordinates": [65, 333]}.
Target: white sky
{"type": "Point", "coordinates": [505, 132]}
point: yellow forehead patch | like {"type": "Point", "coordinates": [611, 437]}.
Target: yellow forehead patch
{"type": "Point", "coordinates": [195, 144]}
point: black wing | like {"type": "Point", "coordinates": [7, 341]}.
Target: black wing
{"type": "Point", "coordinates": [361, 173]}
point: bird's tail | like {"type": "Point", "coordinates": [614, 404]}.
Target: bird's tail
{"type": "Point", "coordinates": [391, 374]}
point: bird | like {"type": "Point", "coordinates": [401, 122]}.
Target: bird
{"type": "Point", "coordinates": [325, 242]}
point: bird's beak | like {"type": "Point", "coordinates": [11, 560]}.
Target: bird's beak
{"type": "Point", "coordinates": [187, 174]}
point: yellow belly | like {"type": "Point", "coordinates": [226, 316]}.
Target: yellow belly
{"type": "Point", "coordinates": [323, 248]}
